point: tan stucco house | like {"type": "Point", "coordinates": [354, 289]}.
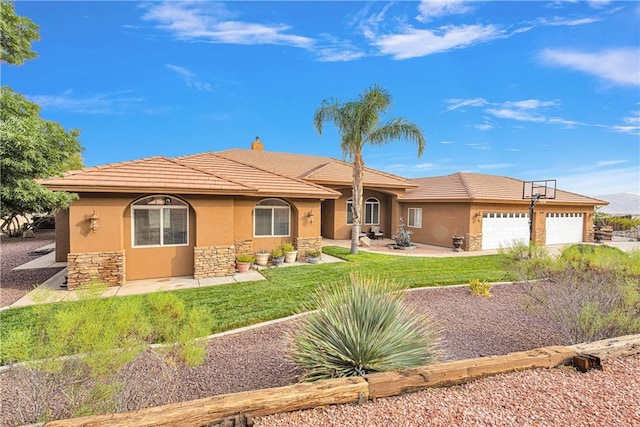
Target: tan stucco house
{"type": "Point", "coordinates": [193, 215]}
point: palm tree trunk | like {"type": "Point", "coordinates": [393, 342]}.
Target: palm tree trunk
{"type": "Point", "coordinates": [356, 206]}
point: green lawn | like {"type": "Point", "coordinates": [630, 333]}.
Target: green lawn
{"type": "Point", "coordinates": [286, 289]}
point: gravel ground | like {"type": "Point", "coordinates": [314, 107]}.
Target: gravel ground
{"type": "Point", "coordinates": [470, 326]}
{"type": "Point", "coordinates": [540, 397]}
{"type": "Point", "coordinates": [14, 251]}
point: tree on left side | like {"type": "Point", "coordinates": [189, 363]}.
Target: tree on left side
{"type": "Point", "coordinates": [31, 147]}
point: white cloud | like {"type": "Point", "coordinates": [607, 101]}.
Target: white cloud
{"type": "Point", "coordinates": [611, 162]}
{"type": "Point", "coordinates": [602, 181]}
{"type": "Point", "coordinates": [515, 114]}
{"type": "Point", "coordinates": [630, 124]}
{"type": "Point", "coordinates": [211, 22]}
{"type": "Point", "coordinates": [483, 146]}
{"type": "Point", "coordinates": [620, 66]}
{"type": "Point", "coordinates": [99, 103]}
{"type": "Point", "coordinates": [455, 103]}
{"type": "Point", "coordinates": [559, 21]}
{"type": "Point", "coordinates": [189, 78]}
{"type": "Point", "coordinates": [412, 42]}
{"type": "Point", "coordinates": [429, 9]}
{"type": "Point", "coordinates": [484, 126]}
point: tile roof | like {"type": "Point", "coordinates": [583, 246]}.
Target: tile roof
{"type": "Point", "coordinates": [317, 169]}
{"type": "Point", "coordinates": [265, 182]}
{"type": "Point", "coordinates": [205, 173]}
{"type": "Point", "coordinates": [463, 186]}
{"type": "Point", "coordinates": [149, 174]}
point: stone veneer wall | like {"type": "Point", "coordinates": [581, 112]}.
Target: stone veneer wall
{"type": "Point", "coordinates": [473, 242]}
{"type": "Point", "coordinates": [244, 247]}
{"type": "Point", "coordinates": [214, 261]}
{"type": "Point", "coordinates": [305, 244]}
{"type": "Point", "coordinates": [103, 267]}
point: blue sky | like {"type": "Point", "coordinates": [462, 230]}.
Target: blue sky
{"type": "Point", "coordinates": [531, 90]}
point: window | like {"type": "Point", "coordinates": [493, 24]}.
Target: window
{"type": "Point", "coordinates": [160, 221]}
{"type": "Point", "coordinates": [415, 217]}
{"type": "Point", "coordinates": [350, 211]}
{"type": "Point", "coordinates": [271, 218]}
{"type": "Point", "coordinates": [372, 211]}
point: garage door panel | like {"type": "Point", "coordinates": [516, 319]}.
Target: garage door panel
{"type": "Point", "coordinates": [502, 229]}
{"type": "Point", "coordinates": [564, 228]}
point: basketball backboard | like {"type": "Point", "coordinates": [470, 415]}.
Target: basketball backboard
{"type": "Point", "coordinates": [542, 189]}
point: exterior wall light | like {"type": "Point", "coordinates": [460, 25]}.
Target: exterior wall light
{"type": "Point", "coordinates": [93, 221]}
{"type": "Point", "coordinates": [311, 217]}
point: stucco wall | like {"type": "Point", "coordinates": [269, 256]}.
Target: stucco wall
{"type": "Point", "coordinates": [439, 222]}
{"type": "Point", "coordinates": [62, 235]}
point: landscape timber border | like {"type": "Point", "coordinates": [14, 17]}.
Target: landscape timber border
{"type": "Point", "coordinates": [239, 408]}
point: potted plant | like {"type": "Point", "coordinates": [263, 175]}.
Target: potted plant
{"type": "Point", "coordinates": [290, 252]}
{"type": "Point", "coordinates": [457, 240]}
{"type": "Point", "coordinates": [262, 257]}
{"type": "Point", "coordinates": [243, 262]}
{"type": "Point", "coordinates": [313, 256]}
{"type": "Point", "coordinates": [277, 256]}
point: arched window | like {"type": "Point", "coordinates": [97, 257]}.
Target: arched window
{"type": "Point", "coordinates": [372, 211]}
{"type": "Point", "coordinates": [350, 211]}
{"type": "Point", "coordinates": [272, 217]}
{"type": "Point", "coordinates": [159, 221]}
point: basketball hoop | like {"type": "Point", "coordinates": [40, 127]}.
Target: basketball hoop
{"type": "Point", "coordinates": [537, 191]}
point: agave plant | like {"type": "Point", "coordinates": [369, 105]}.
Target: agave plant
{"type": "Point", "coordinates": [360, 327]}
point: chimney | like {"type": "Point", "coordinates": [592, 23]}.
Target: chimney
{"type": "Point", "coordinates": [257, 144]}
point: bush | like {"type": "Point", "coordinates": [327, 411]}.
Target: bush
{"type": "Point", "coordinates": [362, 326]}
{"type": "Point", "coordinates": [480, 288]}
{"type": "Point", "coordinates": [245, 258]}
{"type": "Point", "coordinates": [592, 292]}
{"type": "Point", "coordinates": [68, 364]}
{"type": "Point", "coordinates": [288, 247]}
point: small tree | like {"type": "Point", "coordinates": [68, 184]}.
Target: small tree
{"type": "Point", "coordinates": [361, 327]}
{"type": "Point", "coordinates": [30, 147]}
{"type": "Point", "coordinates": [16, 35]}
{"type": "Point", "coordinates": [359, 124]}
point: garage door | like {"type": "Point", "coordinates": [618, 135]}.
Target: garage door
{"type": "Point", "coordinates": [502, 229]}
{"type": "Point", "coordinates": [564, 228]}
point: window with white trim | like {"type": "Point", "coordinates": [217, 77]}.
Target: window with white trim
{"type": "Point", "coordinates": [372, 211]}
{"type": "Point", "coordinates": [271, 218]}
{"type": "Point", "coordinates": [415, 218]}
{"type": "Point", "coordinates": [350, 211]}
{"type": "Point", "coordinates": [159, 221]}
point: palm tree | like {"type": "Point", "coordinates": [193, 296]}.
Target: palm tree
{"type": "Point", "coordinates": [359, 123]}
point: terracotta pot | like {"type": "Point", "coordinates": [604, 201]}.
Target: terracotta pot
{"type": "Point", "coordinates": [243, 267]}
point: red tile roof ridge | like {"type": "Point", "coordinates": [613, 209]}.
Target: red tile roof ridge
{"type": "Point", "coordinates": [197, 169]}
{"type": "Point", "coordinates": [301, 181]}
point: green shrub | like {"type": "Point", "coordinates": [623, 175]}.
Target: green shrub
{"type": "Point", "coordinates": [77, 349]}
{"type": "Point", "coordinates": [277, 252]}
{"type": "Point", "coordinates": [360, 327]}
{"type": "Point", "coordinates": [480, 288]}
{"type": "Point", "coordinates": [591, 292]}
{"type": "Point", "coordinates": [245, 258]}
{"type": "Point", "coordinates": [288, 247]}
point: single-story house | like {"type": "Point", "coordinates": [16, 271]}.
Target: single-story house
{"type": "Point", "coordinates": [193, 215]}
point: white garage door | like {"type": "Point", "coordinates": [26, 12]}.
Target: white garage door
{"type": "Point", "coordinates": [502, 229]}
{"type": "Point", "coordinates": [564, 228]}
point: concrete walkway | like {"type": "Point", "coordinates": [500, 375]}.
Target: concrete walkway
{"type": "Point", "coordinates": [54, 290]}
